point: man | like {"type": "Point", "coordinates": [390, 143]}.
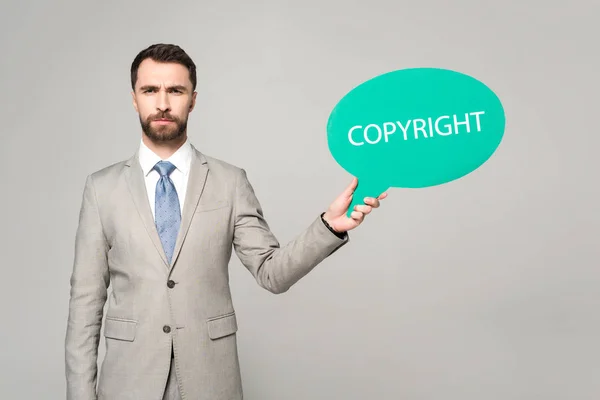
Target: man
{"type": "Point", "coordinates": [160, 228]}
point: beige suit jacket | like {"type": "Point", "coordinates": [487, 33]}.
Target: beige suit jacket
{"type": "Point", "coordinates": [187, 303]}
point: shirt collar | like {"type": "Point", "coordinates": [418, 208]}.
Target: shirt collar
{"type": "Point", "coordinates": [181, 159]}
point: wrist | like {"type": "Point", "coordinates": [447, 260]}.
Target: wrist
{"type": "Point", "coordinates": [327, 221]}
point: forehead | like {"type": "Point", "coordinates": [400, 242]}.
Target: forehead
{"type": "Point", "coordinates": [151, 72]}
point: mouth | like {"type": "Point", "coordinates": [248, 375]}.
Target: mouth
{"type": "Point", "coordinates": [163, 121]}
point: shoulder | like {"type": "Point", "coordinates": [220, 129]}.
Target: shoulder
{"type": "Point", "coordinates": [232, 175]}
{"type": "Point", "coordinates": [109, 173]}
{"type": "Point", "coordinates": [224, 168]}
{"type": "Point", "coordinates": [109, 176]}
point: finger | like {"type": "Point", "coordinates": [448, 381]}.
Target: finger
{"type": "Point", "coordinates": [372, 202]}
{"type": "Point", "coordinates": [349, 191]}
{"type": "Point", "coordinates": [383, 195]}
{"type": "Point", "coordinates": [357, 216]}
{"type": "Point", "coordinates": [363, 209]}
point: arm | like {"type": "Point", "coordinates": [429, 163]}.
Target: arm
{"type": "Point", "coordinates": [89, 284]}
{"type": "Point", "coordinates": [277, 268]}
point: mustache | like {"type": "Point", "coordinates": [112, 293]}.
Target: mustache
{"type": "Point", "coordinates": [162, 115]}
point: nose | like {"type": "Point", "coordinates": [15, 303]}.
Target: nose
{"type": "Point", "coordinates": [162, 101]}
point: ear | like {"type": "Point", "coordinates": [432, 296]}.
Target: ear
{"type": "Point", "coordinates": [193, 102]}
{"type": "Point", "coordinates": [134, 100]}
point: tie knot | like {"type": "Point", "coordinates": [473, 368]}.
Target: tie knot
{"type": "Point", "coordinates": [164, 168]}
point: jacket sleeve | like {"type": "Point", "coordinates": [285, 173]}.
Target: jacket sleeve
{"type": "Point", "coordinates": [89, 284]}
{"type": "Point", "coordinates": [276, 268]}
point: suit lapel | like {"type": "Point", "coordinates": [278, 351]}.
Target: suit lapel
{"type": "Point", "coordinates": [137, 188]}
{"type": "Point", "coordinates": [195, 187]}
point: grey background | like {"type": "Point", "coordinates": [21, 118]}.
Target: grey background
{"type": "Point", "coordinates": [483, 288]}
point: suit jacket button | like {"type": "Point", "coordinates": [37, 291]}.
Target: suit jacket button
{"type": "Point", "coordinates": [171, 284]}
{"type": "Point", "coordinates": [166, 329]}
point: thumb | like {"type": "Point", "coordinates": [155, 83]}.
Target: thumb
{"type": "Point", "coordinates": [349, 191]}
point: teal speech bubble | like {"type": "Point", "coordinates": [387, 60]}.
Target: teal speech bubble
{"type": "Point", "coordinates": [414, 128]}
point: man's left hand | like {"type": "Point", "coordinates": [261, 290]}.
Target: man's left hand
{"type": "Point", "coordinates": [336, 217]}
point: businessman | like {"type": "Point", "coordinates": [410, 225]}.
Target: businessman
{"type": "Point", "coordinates": [159, 228]}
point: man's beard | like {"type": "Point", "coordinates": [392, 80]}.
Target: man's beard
{"type": "Point", "coordinates": [163, 133]}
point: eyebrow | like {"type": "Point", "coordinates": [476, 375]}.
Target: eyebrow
{"type": "Point", "coordinates": [172, 87]}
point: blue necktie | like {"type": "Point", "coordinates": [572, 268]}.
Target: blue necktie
{"type": "Point", "coordinates": [167, 210]}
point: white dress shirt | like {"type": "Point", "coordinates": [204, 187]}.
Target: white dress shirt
{"type": "Point", "coordinates": [182, 159]}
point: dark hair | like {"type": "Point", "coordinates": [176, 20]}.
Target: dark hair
{"type": "Point", "coordinates": [161, 52]}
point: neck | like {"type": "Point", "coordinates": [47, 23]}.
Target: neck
{"type": "Point", "coordinates": [164, 149]}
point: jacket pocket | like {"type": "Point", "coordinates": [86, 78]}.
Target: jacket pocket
{"type": "Point", "coordinates": [215, 205]}
{"type": "Point", "coordinates": [222, 326]}
{"type": "Point", "coordinates": [120, 329]}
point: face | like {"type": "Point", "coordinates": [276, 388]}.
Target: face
{"type": "Point", "coordinates": [163, 98]}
